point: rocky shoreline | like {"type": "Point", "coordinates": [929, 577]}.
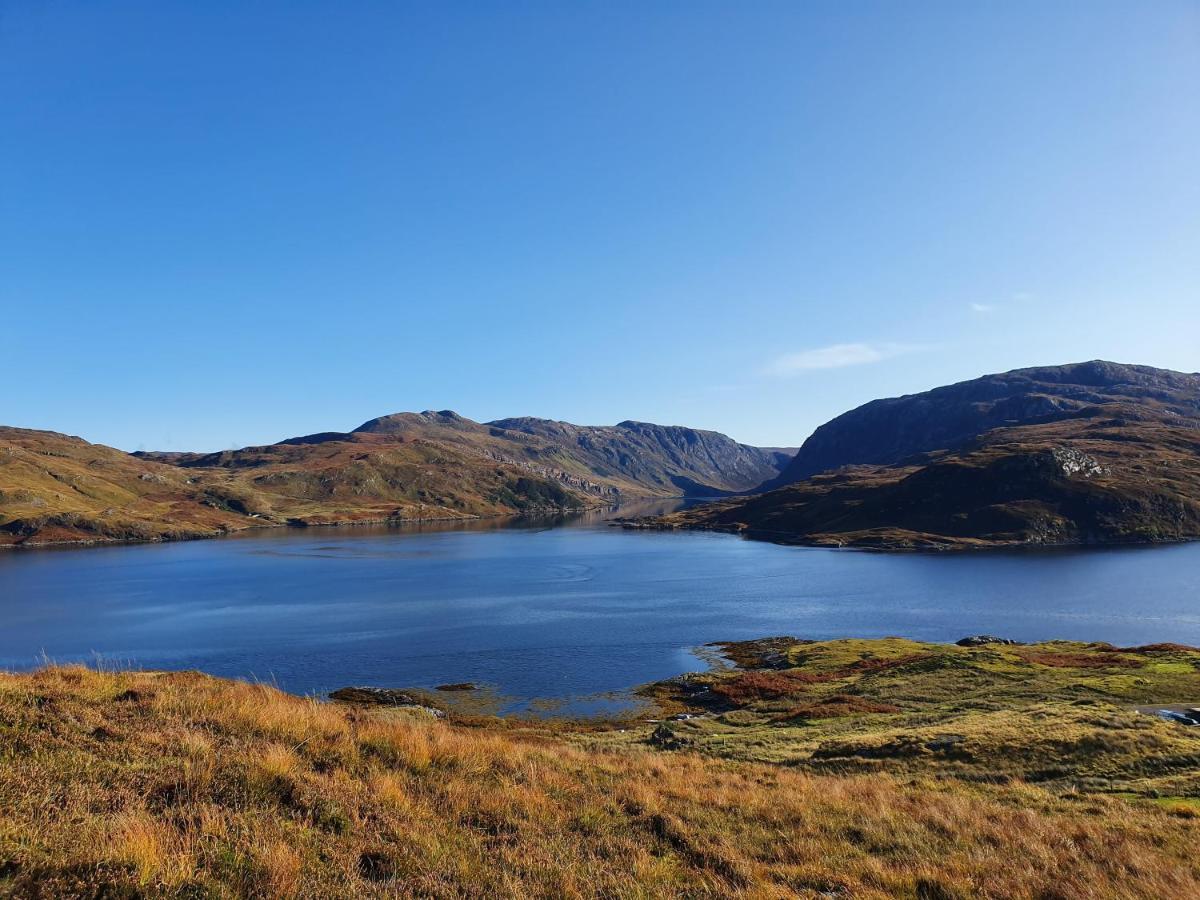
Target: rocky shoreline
{"type": "Point", "coordinates": [176, 537]}
{"type": "Point", "coordinates": [900, 543]}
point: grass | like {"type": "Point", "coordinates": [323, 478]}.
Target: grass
{"type": "Point", "coordinates": [1002, 489]}
{"type": "Point", "coordinates": [131, 784]}
{"type": "Point", "coordinates": [59, 489]}
{"type": "Point", "coordinates": [1059, 714]}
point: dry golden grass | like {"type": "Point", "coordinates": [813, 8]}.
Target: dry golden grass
{"type": "Point", "coordinates": [154, 784]}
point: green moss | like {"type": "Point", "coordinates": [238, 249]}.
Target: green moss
{"type": "Point", "coordinates": [1059, 713]}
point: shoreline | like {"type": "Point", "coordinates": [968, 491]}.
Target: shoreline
{"type": "Point", "coordinates": [722, 659]}
{"type": "Point", "coordinates": [932, 546]}
{"type": "Point", "coordinates": [300, 525]}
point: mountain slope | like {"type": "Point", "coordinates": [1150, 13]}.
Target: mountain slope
{"type": "Point", "coordinates": [431, 465]}
{"type": "Point", "coordinates": [59, 489]}
{"type": "Point", "coordinates": [947, 418]}
{"type": "Point", "coordinates": [658, 459]}
{"type": "Point", "coordinates": [632, 459]}
{"type": "Point", "coordinates": [1094, 453]}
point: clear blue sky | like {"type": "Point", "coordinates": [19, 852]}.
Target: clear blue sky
{"type": "Point", "coordinates": [225, 223]}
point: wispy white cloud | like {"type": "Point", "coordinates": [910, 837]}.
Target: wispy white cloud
{"type": "Point", "coordinates": [837, 356]}
{"type": "Point", "coordinates": [983, 308]}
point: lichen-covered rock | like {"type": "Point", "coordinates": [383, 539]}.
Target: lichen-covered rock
{"type": "Point", "coordinates": [979, 640]}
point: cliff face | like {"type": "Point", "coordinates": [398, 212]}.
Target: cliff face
{"type": "Point", "coordinates": [1090, 453]}
{"type": "Point", "coordinates": [663, 459]}
{"type": "Point", "coordinates": [947, 418]}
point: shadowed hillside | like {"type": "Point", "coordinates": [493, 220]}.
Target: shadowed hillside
{"type": "Point", "coordinates": [948, 418]}
{"type": "Point", "coordinates": [1088, 453]}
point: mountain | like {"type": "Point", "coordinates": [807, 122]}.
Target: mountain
{"type": "Point", "coordinates": [663, 459]}
{"type": "Point", "coordinates": [59, 489]}
{"type": "Point", "coordinates": [632, 459]}
{"type": "Point", "coordinates": [948, 418]}
{"type": "Point", "coordinates": [1094, 452]}
{"type": "Point", "coordinates": [431, 465]}
{"type": "Point", "coordinates": [56, 488]}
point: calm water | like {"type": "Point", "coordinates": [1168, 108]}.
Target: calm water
{"type": "Point", "coordinates": [571, 611]}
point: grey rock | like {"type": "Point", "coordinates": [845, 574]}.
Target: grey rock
{"type": "Point", "coordinates": [980, 640]}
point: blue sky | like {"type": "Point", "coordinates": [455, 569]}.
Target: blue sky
{"type": "Point", "coordinates": [228, 223]}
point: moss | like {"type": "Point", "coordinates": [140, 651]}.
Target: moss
{"type": "Point", "coordinates": [869, 705]}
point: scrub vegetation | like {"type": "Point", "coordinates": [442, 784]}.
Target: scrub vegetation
{"type": "Point", "coordinates": [812, 769]}
{"type": "Point", "coordinates": [1090, 453]}
{"type": "Point", "coordinates": [1062, 715]}
{"type": "Point", "coordinates": [57, 489]}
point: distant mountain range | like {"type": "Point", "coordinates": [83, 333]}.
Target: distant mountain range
{"type": "Point", "coordinates": [408, 466]}
{"type": "Point", "coordinates": [1093, 452]}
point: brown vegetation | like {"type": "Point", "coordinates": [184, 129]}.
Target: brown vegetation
{"type": "Point", "coordinates": [1080, 454]}
{"type": "Point", "coordinates": [837, 706]}
{"type": "Point", "coordinates": [1064, 660]}
{"type": "Point", "coordinates": [427, 466]}
{"type": "Point", "coordinates": [144, 784]}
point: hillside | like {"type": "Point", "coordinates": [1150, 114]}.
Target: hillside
{"type": "Point", "coordinates": [630, 459]}
{"type": "Point", "coordinates": [1059, 714]}
{"type": "Point", "coordinates": [1081, 454]}
{"type": "Point", "coordinates": [948, 418]}
{"type": "Point", "coordinates": [143, 784]}
{"type": "Point", "coordinates": [59, 489]}
{"type": "Point", "coordinates": [662, 459]}
{"type": "Point", "coordinates": [56, 489]}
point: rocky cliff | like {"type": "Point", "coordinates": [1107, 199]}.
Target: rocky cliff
{"type": "Point", "coordinates": [661, 459]}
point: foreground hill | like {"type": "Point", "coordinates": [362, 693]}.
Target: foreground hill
{"type": "Point", "coordinates": [55, 488]}
{"type": "Point", "coordinates": [140, 784]}
{"type": "Point", "coordinates": [1088, 453]}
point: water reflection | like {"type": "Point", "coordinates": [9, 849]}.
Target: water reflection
{"type": "Point", "coordinates": [562, 608]}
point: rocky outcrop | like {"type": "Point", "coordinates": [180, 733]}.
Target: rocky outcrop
{"type": "Point", "coordinates": [667, 459]}
{"type": "Point", "coordinates": [376, 696]}
{"type": "Point", "coordinates": [982, 640]}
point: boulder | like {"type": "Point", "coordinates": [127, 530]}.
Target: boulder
{"type": "Point", "coordinates": [377, 696]}
{"type": "Point", "coordinates": [664, 737]}
{"type": "Point", "coordinates": [980, 640]}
